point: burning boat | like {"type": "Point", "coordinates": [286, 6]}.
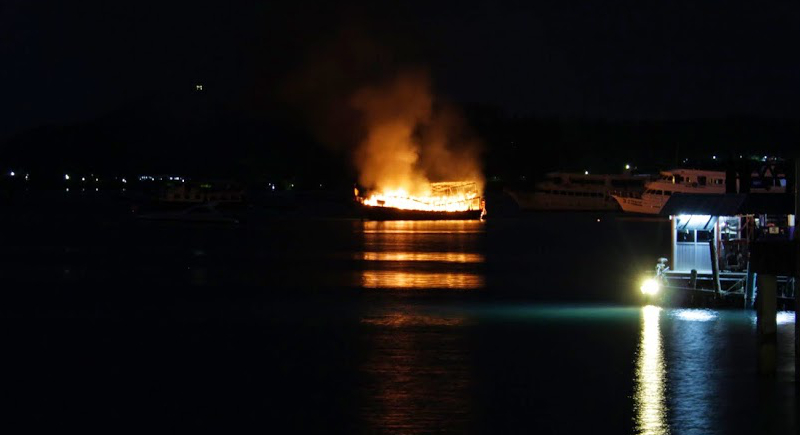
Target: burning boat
{"type": "Point", "coordinates": [443, 200]}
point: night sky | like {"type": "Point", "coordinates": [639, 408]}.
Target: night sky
{"type": "Point", "coordinates": [67, 63]}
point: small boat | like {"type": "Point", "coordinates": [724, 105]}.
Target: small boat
{"type": "Point", "coordinates": [203, 213]}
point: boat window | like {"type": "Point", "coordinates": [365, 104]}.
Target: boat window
{"type": "Point", "coordinates": [704, 236]}
{"type": "Point", "coordinates": [659, 192]}
{"type": "Point", "coordinates": [701, 180]}
{"type": "Point", "coordinates": [679, 178]}
{"type": "Point", "coordinates": [667, 192]}
{"type": "Point", "coordinates": [554, 180]}
{"type": "Point", "coordinates": [686, 236]}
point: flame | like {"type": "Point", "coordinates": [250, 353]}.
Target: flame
{"type": "Point", "coordinates": [441, 197]}
{"type": "Point", "coordinates": [410, 146]}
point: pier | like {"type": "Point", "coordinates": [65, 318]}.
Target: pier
{"type": "Point", "coordinates": [738, 250]}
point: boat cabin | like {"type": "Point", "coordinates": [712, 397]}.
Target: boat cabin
{"type": "Point", "coordinates": [731, 222]}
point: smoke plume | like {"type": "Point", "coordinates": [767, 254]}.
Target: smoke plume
{"type": "Point", "coordinates": [410, 140]}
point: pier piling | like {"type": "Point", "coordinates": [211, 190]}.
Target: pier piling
{"type": "Point", "coordinates": [796, 240]}
{"type": "Point", "coordinates": [715, 265]}
{"type": "Point", "coordinates": [749, 287]}
{"type": "Point", "coordinates": [767, 325]}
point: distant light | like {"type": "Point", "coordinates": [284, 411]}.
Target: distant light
{"type": "Point", "coordinates": [292, 184]}
{"type": "Point", "coordinates": [96, 189]}
{"type": "Point", "coordinates": [714, 157]}
{"type": "Point", "coordinates": [96, 179]}
{"type": "Point", "coordinates": [598, 219]}
{"type": "Point", "coordinates": [83, 178]}
{"type": "Point", "coordinates": [627, 166]}
{"type": "Point", "coordinates": [124, 180]}
{"type": "Point", "coordinates": [67, 189]}
{"type": "Point", "coordinates": [198, 87]}
{"type": "Point", "coordinates": [26, 176]}
{"type": "Point", "coordinates": [585, 172]}
{"type": "Point", "coordinates": [12, 173]}
{"type": "Point", "coordinates": [649, 286]}
{"type": "Point", "coordinates": [66, 177]}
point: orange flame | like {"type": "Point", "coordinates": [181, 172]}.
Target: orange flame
{"type": "Point", "coordinates": [445, 197]}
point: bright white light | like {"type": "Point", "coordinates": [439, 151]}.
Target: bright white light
{"type": "Point", "coordinates": [695, 315]}
{"type": "Point", "coordinates": [585, 172]}
{"type": "Point", "coordinates": [627, 166]}
{"type": "Point", "coordinates": [784, 317]}
{"type": "Point", "coordinates": [83, 178]}
{"type": "Point", "coordinates": [650, 286]}
{"type": "Point", "coordinates": [12, 173]}
{"type": "Point", "coordinates": [714, 157]}
{"type": "Point", "coordinates": [124, 180]}
{"type": "Point", "coordinates": [66, 177]}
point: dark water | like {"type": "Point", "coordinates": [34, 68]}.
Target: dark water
{"type": "Point", "coordinates": [526, 325]}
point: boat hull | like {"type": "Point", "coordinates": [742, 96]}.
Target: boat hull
{"type": "Point", "coordinates": [548, 202]}
{"type": "Point", "coordinates": [639, 205]}
{"type": "Point", "coordinates": [389, 213]}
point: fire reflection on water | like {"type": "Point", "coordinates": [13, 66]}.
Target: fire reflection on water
{"type": "Point", "coordinates": [420, 280]}
{"type": "Point", "coordinates": [418, 376]}
{"type": "Point", "coordinates": [444, 257]}
{"type": "Point", "coordinates": [649, 395]}
{"type": "Point", "coordinates": [420, 255]}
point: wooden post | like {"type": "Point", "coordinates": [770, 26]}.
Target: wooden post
{"type": "Point", "coordinates": [767, 325]}
{"type": "Point", "coordinates": [712, 244]}
{"type": "Point", "coordinates": [693, 279]}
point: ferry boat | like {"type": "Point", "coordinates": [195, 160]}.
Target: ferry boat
{"type": "Point", "coordinates": [580, 192]}
{"type": "Point", "coordinates": [692, 181]}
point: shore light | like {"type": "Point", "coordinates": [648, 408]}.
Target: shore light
{"type": "Point", "coordinates": [585, 172]}
{"type": "Point", "coordinates": [650, 286]}
{"type": "Point", "coordinates": [627, 166]}
{"type": "Point", "coordinates": [12, 173]}
{"type": "Point", "coordinates": [66, 177]}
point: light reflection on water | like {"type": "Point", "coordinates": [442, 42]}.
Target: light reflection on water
{"type": "Point", "coordinates": [444, 257]}
{"type": "Point", "coordinates": [649, 397]}
{"type": "Point", "coordinates": [420, 255]}
{"type": "Point", "coordinates": [418, 373]}
{"type": "Point", "coordinates": [420, 280]}
{"type": "Point", "coordinates": [422, 227]}
{"type": "Point", "coordinates": [694, 315]}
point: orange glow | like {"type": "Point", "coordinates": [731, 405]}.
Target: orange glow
{"type": "Point", "coordinates": [420, 280]}
{"type": "Point", "coordinates": [445, 197]}
{"type": "Point", "coordinates": [444, 257]}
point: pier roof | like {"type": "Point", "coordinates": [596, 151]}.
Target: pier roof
{"type": "Point", "coordinates": [729, 204]}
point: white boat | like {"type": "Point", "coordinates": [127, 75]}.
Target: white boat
{"type": "Point", "coordinates": [580, 192]}
{"type": "Point", "coordinates": [692, 181]}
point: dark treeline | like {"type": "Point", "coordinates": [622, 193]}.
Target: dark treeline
{"type": "Point", "coordinates": [195, 136]}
